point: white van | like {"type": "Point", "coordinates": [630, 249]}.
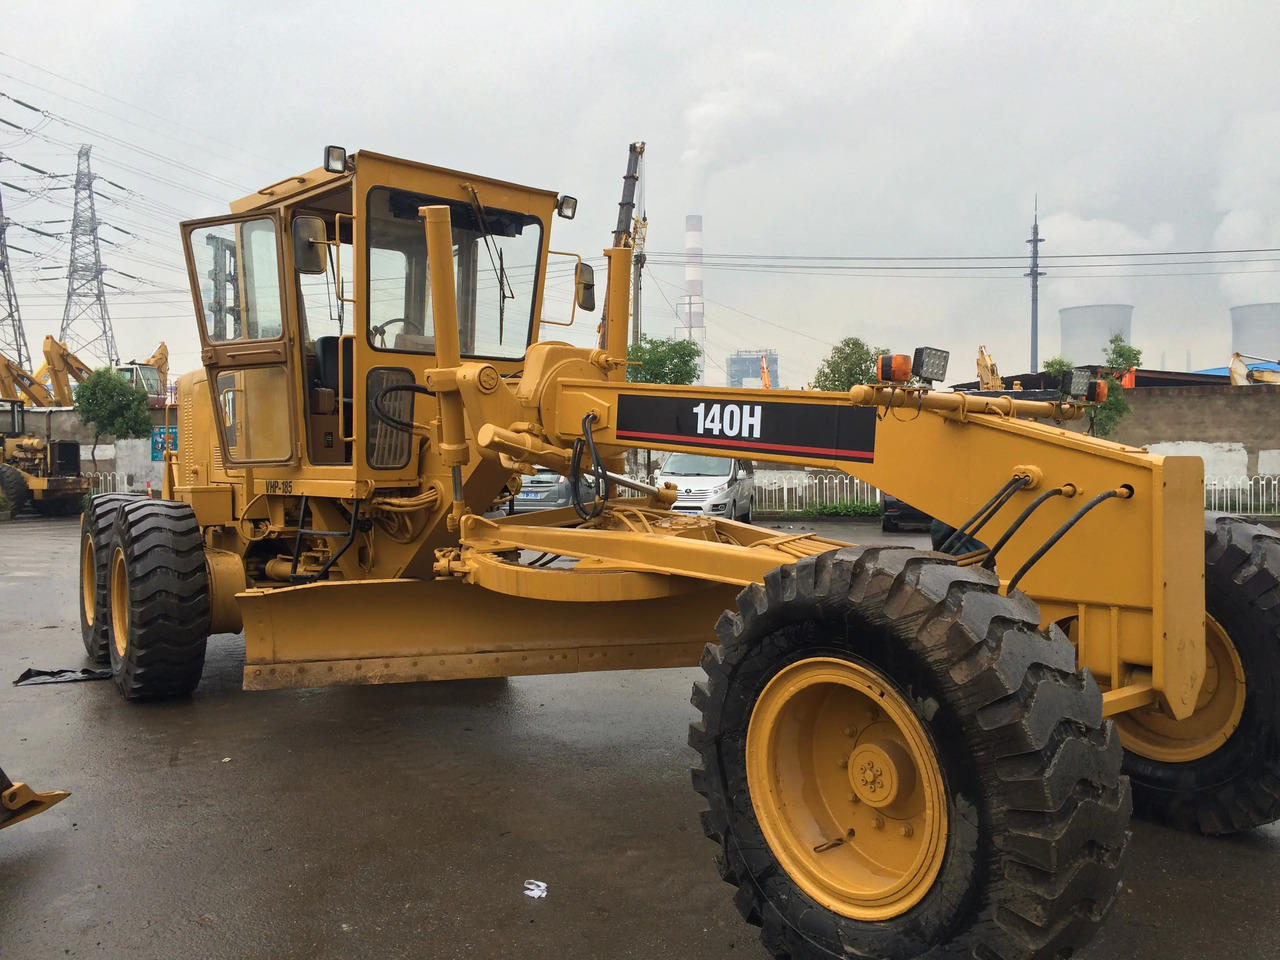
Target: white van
{"type": "Point", "coordinates": [712, 485]}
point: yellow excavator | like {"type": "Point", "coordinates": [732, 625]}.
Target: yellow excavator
{"type": "Point", "coordinates": [988, 375]}
{"type": "Point", "coordinates": [1242, 375]}
{"type": "Point", "coordinates": [903, 753]}
{"type": "Point", "coordinates": [18, 384]}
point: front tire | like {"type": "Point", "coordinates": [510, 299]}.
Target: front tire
{"type": "Point", "coordinates": [159, 600]}
{"type": "Point", "coordinates": [1218, 771]}
{"type": "Point", "coordinates": [96, 525]}
{"type": "Point", "coordinates": [1005, 835]}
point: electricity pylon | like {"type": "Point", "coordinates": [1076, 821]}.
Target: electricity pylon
{"type": "Point", "coordinates": [13, 340]}
{"type": "Point", "coordinates": [86, 325]}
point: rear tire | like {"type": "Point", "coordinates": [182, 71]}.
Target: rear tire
{"type": "Point", "coordinates": [96, 523]}
{"type": "Point", "coordinates": [1235, 785]}
{"type": "Point", "coordinates": [14, 487]}
{"type": "Point", "coordinates": [159, 600]}
{"type": "Point", "coordinates": [888, 526]}
{"type": "Point", "coordinates": [1036, 811]}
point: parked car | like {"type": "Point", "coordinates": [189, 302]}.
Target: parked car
{"type": "Point", "coordinates": [895, 514]}
{"type": "Point", "coordinates": [712, 485]}
{"type": "Point", "coordinates": [547, 489]}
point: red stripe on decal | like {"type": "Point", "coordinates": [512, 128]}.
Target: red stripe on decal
{"type": "Point", "coordinates": [747, 444]}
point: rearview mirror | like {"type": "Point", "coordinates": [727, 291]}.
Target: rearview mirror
{"type": "Point", "coordinates": [309, 241]}
{"type": "Point", "coordinates": [586, 287]}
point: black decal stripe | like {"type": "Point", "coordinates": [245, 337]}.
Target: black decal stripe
{"type": "Point", "coordinates": [700, 441]}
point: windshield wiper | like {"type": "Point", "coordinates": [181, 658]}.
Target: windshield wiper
{"type": "Point", "coordinates": [505, 292]}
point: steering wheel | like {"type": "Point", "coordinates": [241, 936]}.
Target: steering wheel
{"type": "Point", "coordinates": [413, 329]}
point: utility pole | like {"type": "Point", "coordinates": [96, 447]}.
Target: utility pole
{"type": "Point", "coordinates": [86, 325]}
{"type": "Point", "coordinates": [13, 340]}
{"type": "Point", "coordinates": [1035, 275]}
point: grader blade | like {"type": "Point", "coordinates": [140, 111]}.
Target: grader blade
{"type": "Point", "coordinates": [19, 802]}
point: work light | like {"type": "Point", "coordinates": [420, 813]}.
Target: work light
{"type": "Point", "coordinates": [567, 207]}
{"type": "Point", "coordinates": [1075, 382]}
{"type": "Point", "coordinates": [930, 364]}
{"type": "Point", "coordinates": [335, 160]}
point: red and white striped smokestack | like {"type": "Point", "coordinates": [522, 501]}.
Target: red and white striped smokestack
{"type": "Point", "coordinates": [693, 314]}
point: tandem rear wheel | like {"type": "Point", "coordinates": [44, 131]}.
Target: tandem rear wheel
{"type": "Point", "coordinates": [1218, 771]}
{"type": "Point", "coordinates": [157, 599]}
{"type": "Point", "coordinates": [97, 523]}
{"type": "Point", "coordinates": [896, 759]}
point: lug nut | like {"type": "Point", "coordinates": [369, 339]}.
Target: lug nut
{"type": "Point", "coordinates": [877, 823]}
{"type": "Point", "coordinates": [843, 763]}
{"type": "Point", "coordinates": [850, 731]}
{"type": "Point", "coordinates": [906, 830]}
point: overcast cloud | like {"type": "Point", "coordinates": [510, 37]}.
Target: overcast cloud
{"type": "Point", "coordinates": [895, 129]}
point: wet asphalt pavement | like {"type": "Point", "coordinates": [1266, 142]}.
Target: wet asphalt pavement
{"type": "Point", "coordinates": [403, 820]}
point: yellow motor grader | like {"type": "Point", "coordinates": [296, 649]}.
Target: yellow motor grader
{"type": "Point", "coordinates": [44, 472]}
{"type": "Point", "coordinates": [904, 753]}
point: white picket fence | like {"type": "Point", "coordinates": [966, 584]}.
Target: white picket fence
{"type": "Point", "coordinates": [1252, 496]}
{"type": "Point", "coordinates": [783, 492]}
{"type": "Point", "coordinates": [113, 482]}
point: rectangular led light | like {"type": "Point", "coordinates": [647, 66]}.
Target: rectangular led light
{"type": "Point", "coordinates": [930, 363]}
{"type": "Point", "coordinates": [1075, 382]}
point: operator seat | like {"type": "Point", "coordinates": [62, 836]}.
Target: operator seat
{"type": "Point", "coordinates": [327, 373]}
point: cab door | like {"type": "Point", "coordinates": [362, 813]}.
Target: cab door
{"type": "Point", "coordinates": [236, 267]}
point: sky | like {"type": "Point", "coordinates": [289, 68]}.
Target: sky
{"type": "Point", "coordinates": [1143, 132]}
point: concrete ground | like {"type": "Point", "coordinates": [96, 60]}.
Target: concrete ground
{"type": "Point", "coordinates": [402, 821]}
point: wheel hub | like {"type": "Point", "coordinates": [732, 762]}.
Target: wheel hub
{"type": "Point", "coordinates": [1153, 734]}
{"type": "Point", "coordinates": [880, 771]}
{"type": "Point", "coordinates": [88, 579]}
{"type": "Point", "coordinates": [846, 786]}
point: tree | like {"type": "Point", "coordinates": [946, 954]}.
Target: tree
{"type": "Point", "coordinates": [851, 361]}
{"type": "Point", "coordinates": [1119, 358]}
{"type": "Point", "coordinates": [663, 361]}
{"type": "Point", "coordinates": [111, 406]}
{"type": "Point", "coordinates": [1055, 367]}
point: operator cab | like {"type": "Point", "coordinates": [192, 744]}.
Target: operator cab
{"type": "Point", "coordinates": [314, 296]}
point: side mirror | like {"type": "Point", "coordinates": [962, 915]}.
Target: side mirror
{"type": "Point", "coordinates": [742, 474]}
{"type": "Point", "coordinates": [310, 238]}
{"type": "Point", "coordinates": [586, 287]}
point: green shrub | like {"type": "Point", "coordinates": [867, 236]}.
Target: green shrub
{"type": "Point", "coordinates": [841, 508]}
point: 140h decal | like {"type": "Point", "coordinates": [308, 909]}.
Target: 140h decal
{"type": "Point", "coordinates": [796, 429]}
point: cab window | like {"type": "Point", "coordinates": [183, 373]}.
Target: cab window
{"type": "Point", "coordinates": [238, 269]}
{"type": "Point", "coordinates": [496, 257]}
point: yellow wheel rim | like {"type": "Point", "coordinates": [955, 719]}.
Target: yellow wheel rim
{"type": "Point", "coordinates": [119, 603]}
{"type": "Point", "coordinates": [88, 579]}
{"type": "Point", "coordinates": [1153, 734]}
{"type": "Point", "coordinates": [847, 789]}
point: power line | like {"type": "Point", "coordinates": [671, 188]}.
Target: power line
{"type": "Point", "coordinates": [1020, 259]}
{"type": "Point", "coordinates": [151, 154]}
{"type": "Point", "coordinates": [203, 133]}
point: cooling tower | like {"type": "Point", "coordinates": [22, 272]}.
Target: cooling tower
{"type": "Point", "coordinates": [1086, 331]}
{"type": "Point", "coordinates": [1255, 330]}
